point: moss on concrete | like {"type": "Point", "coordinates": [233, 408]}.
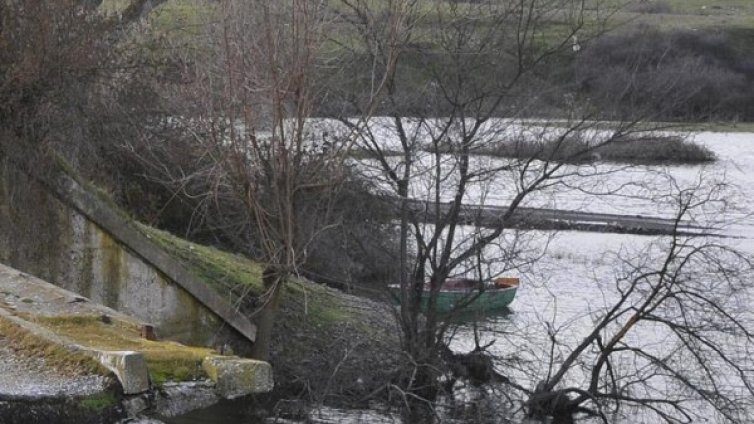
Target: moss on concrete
{"type": "Point", "coordinates": [84, 284]}
{"type": "Point", "coordinates": [236, 377]}
{"type": "Point", "coordinates": [99, 402]}
{"type": "Point", "coordinates": [166, 361]}
{"type": "Point", "coordinates": [221, 270]}
{"type": "Point", "coordinates": [114, 269]}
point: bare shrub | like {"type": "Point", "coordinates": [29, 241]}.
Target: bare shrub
{"type": "Point", "coordinates": [51, 52]}
{"type": "Point", "coordinates": [676, 76]}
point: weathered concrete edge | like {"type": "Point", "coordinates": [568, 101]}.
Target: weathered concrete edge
{"type": "Point", "coordinates": [232, 376]}
{"type": "Point", "coordinates": [235, 377]}
{"type": "Point", "coordinates": [129, 367]}
{"type": "Point", "coordinates": [63, 293]}
{"type": "Point", "coordinates": [69, 191]}
{"type": "Point", "coordinates": [171, 400]}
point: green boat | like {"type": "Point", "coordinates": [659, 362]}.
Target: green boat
{"type": "Point", "coordinates": [467, 295]}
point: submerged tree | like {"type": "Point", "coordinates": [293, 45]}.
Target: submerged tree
{"type": "Point", "coordinates": [459, 72]}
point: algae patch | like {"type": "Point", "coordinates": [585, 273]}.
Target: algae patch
{"type": "Point", "coordinates": [315, 303]}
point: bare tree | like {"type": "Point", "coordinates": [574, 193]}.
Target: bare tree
{"type": "Point", "coordinates": [453, 79]}
{"type": "Point", "coordinates": [687, 291]}
{"type": "Point", "coordinates": [256, 84]}
{"type": "Point", "coordinates": [478, 54]}
{"type": "Point", "coordinates": [460, 73]}
{"type": "Point", "coordinates": [258, 172]}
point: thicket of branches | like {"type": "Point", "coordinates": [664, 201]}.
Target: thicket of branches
{"type": "Point", "coordinates": [702, 67]}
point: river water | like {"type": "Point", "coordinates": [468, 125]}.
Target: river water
{"type": "Point", "coordinates": [564, 289]}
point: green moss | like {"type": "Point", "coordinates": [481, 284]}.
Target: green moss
{"type": "Point", "coordinates": [84, 283]}
{"type": "Point", "coordinates": [81, 321]}
{"type": "Point", "coordinates": [306, 304]}
{"type": "Point", "coordinates": [303, 303]}
{"type": "Point", "coordinates": [183, 369]}
{"type": "Point", "coordinates": [99, 402]}
{"type": "Point", "coordinates": [166, 361]}
{"type": "Point", "coordinates": [222, 270]}
{"type": "Point", "coordinates": [315, 304]}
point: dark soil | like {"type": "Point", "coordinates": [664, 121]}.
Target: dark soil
{"type": "Point", "coordinates": [342, 353]}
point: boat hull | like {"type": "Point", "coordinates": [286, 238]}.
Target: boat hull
{"type": "Point", "coordinates": [463, 300]}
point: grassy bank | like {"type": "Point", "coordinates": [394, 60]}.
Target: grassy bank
{"type": "Point", "coordinates": [725, 27]}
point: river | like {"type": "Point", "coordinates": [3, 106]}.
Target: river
{"type": "Point", "coordinates": [564, 289]}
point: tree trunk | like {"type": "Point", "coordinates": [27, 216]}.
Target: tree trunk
{"type": "Point", "coordinates": [273, 283]}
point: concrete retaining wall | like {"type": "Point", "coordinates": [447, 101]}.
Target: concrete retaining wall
{"type": "Point", "coordinates": [45, 237]}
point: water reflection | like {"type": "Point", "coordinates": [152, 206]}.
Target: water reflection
{"type": "Point", "coordinates": [486, 317]}
{"type": "Point", "coordinates": [225, 412]}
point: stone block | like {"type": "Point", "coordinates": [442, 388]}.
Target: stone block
{"type": "Point", "coordinates": [130, 368]}
{"type": "Point", "coordinates": [235, 377]}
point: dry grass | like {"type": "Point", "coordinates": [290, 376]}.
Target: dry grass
{"type": "Point", "coordinates": [66, 361]}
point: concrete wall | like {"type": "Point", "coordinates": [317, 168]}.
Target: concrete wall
{"type": "Point", "coordinates": [43, 236]}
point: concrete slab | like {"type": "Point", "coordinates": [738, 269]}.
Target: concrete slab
{"type": "Point", "coordinates": [117, 341]}
{"type": "Point", "coordinates": [32, 376]}
{"type": "Point", "coordinates": [237, 377]}
{"type": "Point", "coordinates": [130, 368]}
